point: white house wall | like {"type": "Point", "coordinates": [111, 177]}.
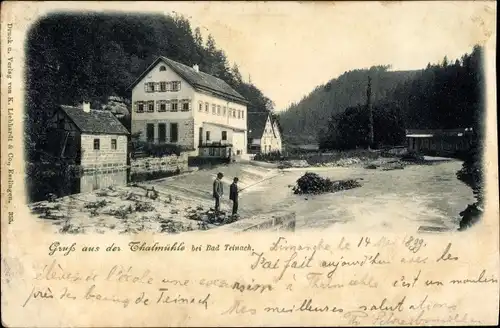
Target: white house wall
{"type": "Point", "coordinates": [190, 122]}
{"type": "Point", "coordinates": [105, 156]}
{"type": "Point", "coordinates": [201, 117]}
{"type": "Point", "coordinates": [184, 119]}
{"type": "Point", "coordinates": [269, 142]}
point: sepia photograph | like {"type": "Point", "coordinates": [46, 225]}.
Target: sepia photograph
{"type": "Point", "coordinates": [230, 163]}
{"type": "Point", "coordinates": [140, 122]}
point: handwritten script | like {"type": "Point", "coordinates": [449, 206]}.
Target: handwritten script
{"type": "Point", "coordinates": [362, 281]}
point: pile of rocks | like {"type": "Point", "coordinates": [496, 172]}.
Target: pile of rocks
{"type": "Point", "coordinates": [312, 183]}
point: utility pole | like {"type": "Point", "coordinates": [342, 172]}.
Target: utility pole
{"type": "Point", "coordinates": [370, 111]}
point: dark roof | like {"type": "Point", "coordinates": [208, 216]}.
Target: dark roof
{"type": "Point", "coordinates": [198, 80]}
{"type": "Point", "coordinates": [95, 121]}
{"type": "Point", "coordinates": [256, 122]}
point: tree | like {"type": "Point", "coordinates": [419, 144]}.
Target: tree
{"type": "Point", "coordinates": [198, 39]}
{"type": "Point", "coordinates": [71, 57]}
{"type": "Point", "coordinates": [236, 74]}
{"type": "Point", "coordinates": [370, 111]}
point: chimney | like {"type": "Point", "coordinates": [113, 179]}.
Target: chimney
{"type": "Point", "coordinates": [86, 107]}
{"type": "Point", "coordinates": [196, 67]}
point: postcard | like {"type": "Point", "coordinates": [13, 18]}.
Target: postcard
{"type": "Point", "coordinates": [211, 164]}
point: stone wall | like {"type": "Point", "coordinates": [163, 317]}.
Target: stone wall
{"type": "Point", "coordinates": [160, 164]}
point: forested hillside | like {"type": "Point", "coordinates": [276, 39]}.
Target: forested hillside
{"type": "Point", "coordinates": [72, 57]}
{"type": "Point", "coordinates": [301, 122]}
{"type": "Point", "coordinates": [441, 96]}
{"type": "Point", "coordinates": [444, 95]}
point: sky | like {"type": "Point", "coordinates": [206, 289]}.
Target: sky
{"type": "Point", "coordinates": [289, 48]}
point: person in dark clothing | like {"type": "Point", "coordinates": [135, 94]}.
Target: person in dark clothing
{"type": "Point", "coordinates": [218, 191]}
{"type": "Point", "coordinates": [233, 195]}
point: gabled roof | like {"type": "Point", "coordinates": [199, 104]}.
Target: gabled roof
{"type": "Point", "coordinates": [256, 122]}
{"type": "Point", "coordinates": [198, 80]}
{"type": "Point", "coordinates": [95, 121]}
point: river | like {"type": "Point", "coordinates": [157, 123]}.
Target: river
{"type": "Point", "coordinates": [419, 196]}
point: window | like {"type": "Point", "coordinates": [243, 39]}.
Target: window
{"type": "Point", "coordinates": [176, 85]}
{"type": "Point", "coordinates": [200, 106]}
{"type": "Point", "coordinates": [224, 111]}
{"type": "Point", "coordinates": [174, 106]}
{"type": "Point", "coordinates": [214, 108]}
{"type": "Point", "coordinates": [234, 112]}
{"type": "Point", "coordinates": [162, 105]}
{"type": "Point", "coordinates": [113, 144]}
{"type": "Point", "coordinates": [139, 107]}
{"type": "Point", "coordinates": [149, 87]}
{"type": "Point", "coordinates": [162, 132]}
{"type": "Point", "coordinates": [224, 135]}
{"type": "Point", "coordinates": [185, 106]}
{"type": "Point", "coordinates": [150, 132]}
{"type": "Point", "coordinates": [162, 68]}
{"type": "Point", "coordinates": [97, 144]}
{"type": "Point", "coordinates": [151, 106]}
{"type": "Point", "coordinates": [243, 114]}
{"type": "Point", "coordinates": [239, 114]}
{"type": "Point", "coordinates": [207, 106]}
{"type": "Point", "coordinates": [207, 134]}
{"type": "Point", "coordinates": [218, 110]}
{"type": "Point", "coordinates": [163, 86]}
{"type": "Point", "coordinates": [174, 132]}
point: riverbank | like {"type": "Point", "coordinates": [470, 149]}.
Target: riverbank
{"type": "Point", "coordinates": [425, 198]}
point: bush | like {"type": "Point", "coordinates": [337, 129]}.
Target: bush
{"type": "Point", "coordinates": [311, 183]}
{"type": "Point", "coordinates": [273, 156]}
{"type": "Point", "coordinates": [156, 150]}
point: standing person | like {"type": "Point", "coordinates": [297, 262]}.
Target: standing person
{"type": "Point", "coordinates": [218, 191]}
{"type": "Point", "coordinates": [233, 195]}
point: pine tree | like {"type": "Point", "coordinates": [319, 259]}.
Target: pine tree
{"type": "Point", "coordinates": [236, 74]}
{"type": "Point", "coordinates": [370, 112]}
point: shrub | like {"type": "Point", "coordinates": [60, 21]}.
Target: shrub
{"type": "Point", "coordinates": [272, 156]}
{"type": "Point", "coordinates": [156, 150]}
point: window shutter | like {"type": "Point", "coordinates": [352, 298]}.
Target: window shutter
{"type": "Point", "coordinates": [189, 104]}
{"type": "Point", "coordinates": [146, 87]}
{"type": "Point", "coordinates": [179, 86]}
{"type": "Point", "coordinates": [158, 106]}
{"type": "Point", "coordinates": [135, 106]}
{"type": "Point", "coordinates": [157, 86]}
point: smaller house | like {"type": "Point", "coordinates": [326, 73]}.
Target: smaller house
{"type": "Point", "coordinates": [94, 139]}
{"type": "Point", "coordinates": [263, 133]}
{"type": "Point", "coordinates": [439, 141]}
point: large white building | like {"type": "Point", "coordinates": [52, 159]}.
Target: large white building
{"type": "Point", "coordinates": [177, 104]}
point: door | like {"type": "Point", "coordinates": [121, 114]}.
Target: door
{"type": "Point", "coordinates": [162, 132]}
{"type": "Point", "coordinates": [200, 137]}
{"type": "Point", "coordinates": [150, 132]}
{"type": "Point", "coordinates": [174, 132]}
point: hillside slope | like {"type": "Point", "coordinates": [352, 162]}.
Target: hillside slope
{"type": "Point", "coordinates": [301, 122]}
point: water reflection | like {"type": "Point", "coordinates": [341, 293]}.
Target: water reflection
{"type": "Point", "coordinates": [63, 185]}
